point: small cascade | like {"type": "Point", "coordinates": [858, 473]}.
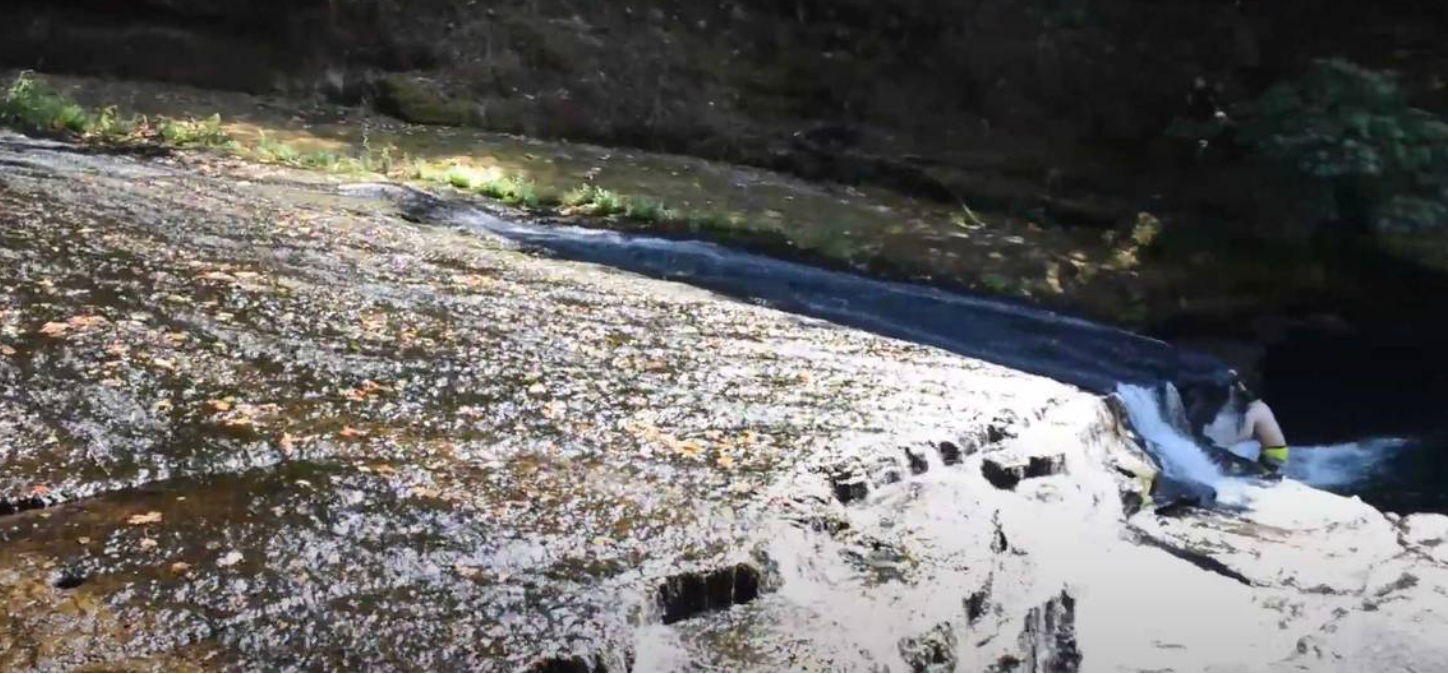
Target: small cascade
{"type": "Point", "coordinates": [1158, 416]}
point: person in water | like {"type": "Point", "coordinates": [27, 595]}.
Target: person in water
{"type": "Point", "coordinates": [1260, 424]}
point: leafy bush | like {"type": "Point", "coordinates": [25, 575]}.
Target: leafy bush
{"type": "Point", "coordinates": [275, 151]}
{"type": "Point", "coordinates": [644, 209]}
{"type": "Point", "coordinates": [205, 132]}
{"type": "Point", "coordinates": [30, 105]}
{"type": "Point", "coordinates": [110, 124]}
{"type": "Point", "coordinates": [1376, 162]}
{"type": "Point", "coordinates": [596, 201]}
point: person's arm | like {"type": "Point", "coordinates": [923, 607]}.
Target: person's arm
{"type": "Point", "coordinates": [1247, 430]}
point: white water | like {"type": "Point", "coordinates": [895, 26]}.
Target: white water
{"type": "Point", "coordinates": [1157, 415]}
{"type": "Point", "coordinates": [1344, 464]}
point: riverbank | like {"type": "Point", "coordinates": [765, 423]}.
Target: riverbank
{"type": "Point", "coordinates": [1139, 272]}
{"type": "Point", "coordinates": [256, 421]}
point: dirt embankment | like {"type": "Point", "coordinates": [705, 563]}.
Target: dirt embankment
{"type": "Point", "coordinates": [1057, 105]}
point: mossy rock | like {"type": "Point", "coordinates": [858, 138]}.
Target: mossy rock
{"type": "Point", "coordinates": [418, 101]}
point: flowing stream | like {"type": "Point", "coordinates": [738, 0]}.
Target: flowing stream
{"type": "Point", "coordinates": [1146, 374]}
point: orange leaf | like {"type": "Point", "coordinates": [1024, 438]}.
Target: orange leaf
{"type": "Point", "coordinates": [148, 518]}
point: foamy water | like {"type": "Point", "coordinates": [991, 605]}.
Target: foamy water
{"type": "Point", "coordinates": [1157, 415]}
{"type": "Point", "coordinates": [1159, 418]}
{"type": "Point", "coordinates": [1343, 465]}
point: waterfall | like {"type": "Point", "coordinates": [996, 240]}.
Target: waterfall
{"type": "Point", "coordinates": [1159, 419]}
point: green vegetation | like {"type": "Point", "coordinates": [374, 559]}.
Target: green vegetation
{"type": "Point", "coordinates": [491, 183]}
{"type": "Point", "coordinates": [622, 210]}
{"type": "Point", "coordinates": [644, 209]}
{"type": "Point", "coordinates": [996, 283]}
{"type": "Point", "coordinates": [596, 201]}
{"type": "Point", "coordinates": [205, 132]}
{"type": "Point", "coordinates": [269, 150]}
{"type": "Point", "coordinates": [109, 123]}
{"type": "Point", "coordinates": [1371, 160]}
{"type": "Point", "coordinates": [417, 101]}
{"type": "Point", "coordinates": [32, 106]}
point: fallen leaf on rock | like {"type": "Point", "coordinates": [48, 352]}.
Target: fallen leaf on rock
{"type": "Point", "coordinates": [83, 322]}
{"type": "Point", "coordinates": [148, 543]}
{"type": "Point", "coordinates": [229, 559]}
{"type": "Point", "coordinates": [368, 389]}
{"type": "Point", "coordinates": [148, 518]}
{"type": "Point", "coordinates": [180, 567]}
{"type": "Point", "coordinates": [218, 405]}
{"type": "Point", "coordinates": [689, 449]}
{"type": "Point", "coordinates": [470, 281]}
{"type": "Point", "coordinates": [6, 350]}
{"type": "Point", "coordinates": [83, 540]}
{"type": "Point", "coordinates": [53, 329]}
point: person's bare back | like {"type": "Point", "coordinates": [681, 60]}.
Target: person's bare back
{"type": "Point", "coordinates": [1258, 423]}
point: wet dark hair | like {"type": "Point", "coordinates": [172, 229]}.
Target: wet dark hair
{"type": "Point", "coordinates": [1245, 393]}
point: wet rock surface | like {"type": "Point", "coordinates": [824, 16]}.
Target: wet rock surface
{"type": "Point", "coordinates": [249, 420]}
